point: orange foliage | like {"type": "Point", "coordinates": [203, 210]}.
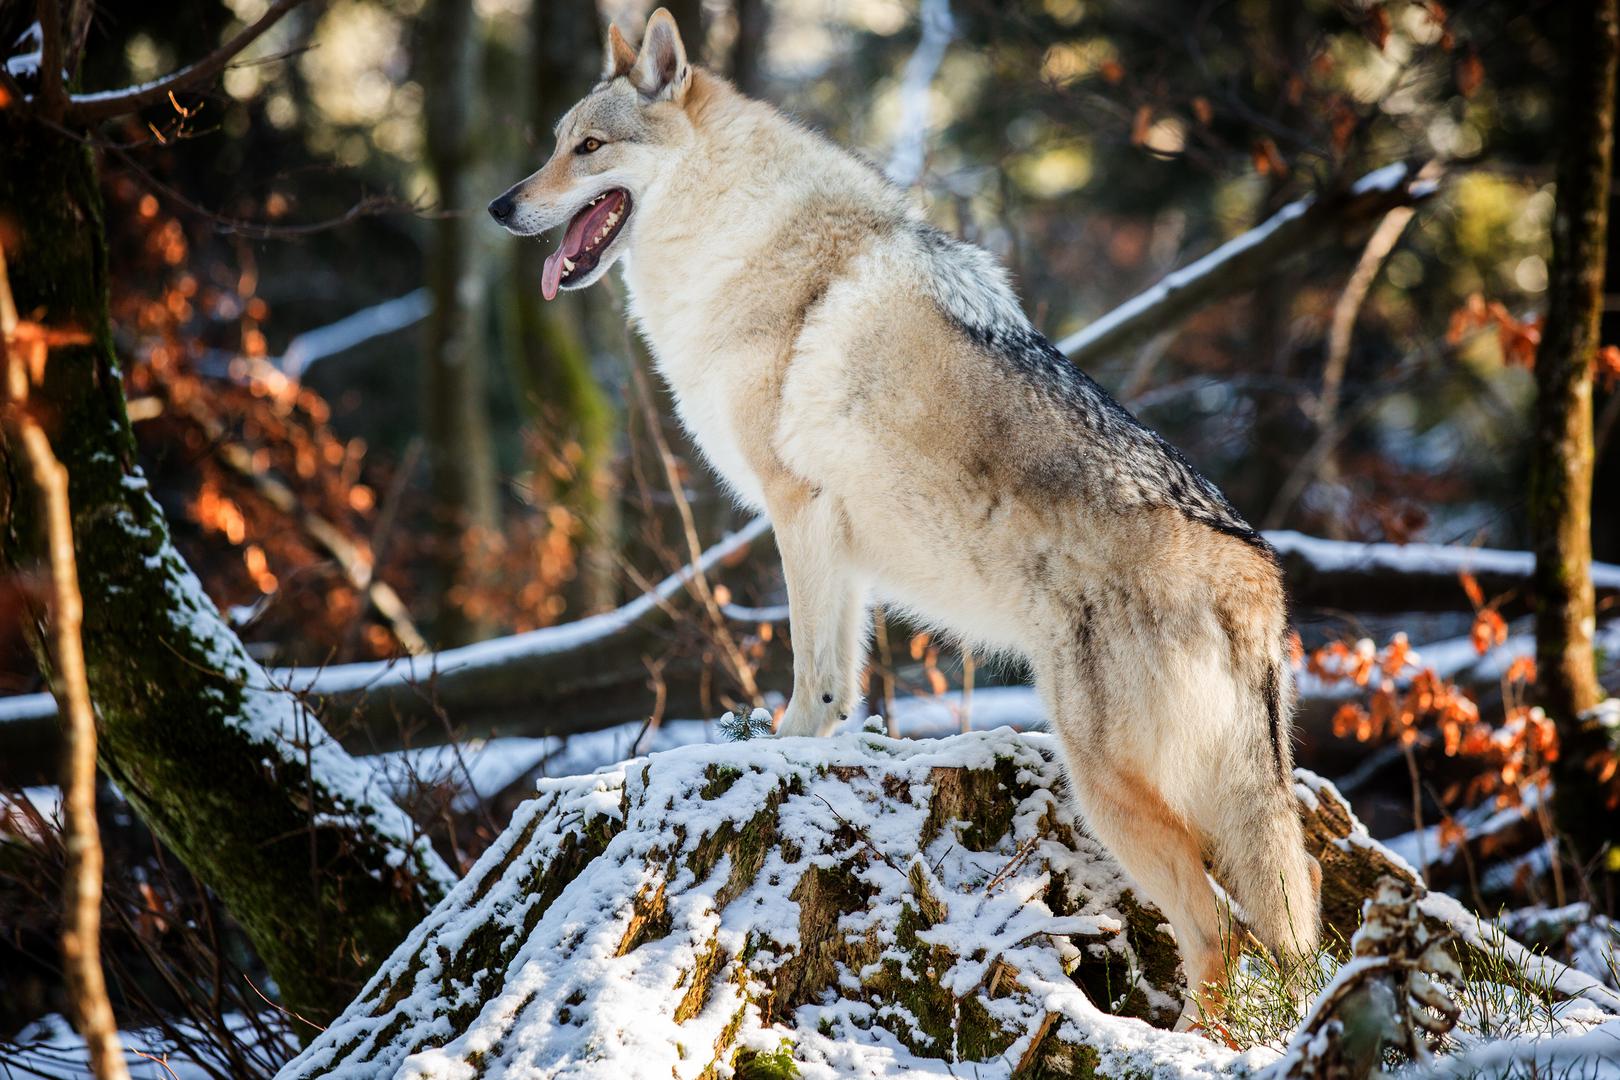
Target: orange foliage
{"type": "Point", "coordinates": [1406, 699]}
{"type": "Point", "coordinates": [1608, 366]}
{"type": "Point", "coordinates": [1518, 339]}
{"type": "Point", "coordinates": [198, 375]}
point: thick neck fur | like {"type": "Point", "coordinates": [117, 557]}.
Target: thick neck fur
{"type": "Point", "coordinates": [742, 179]}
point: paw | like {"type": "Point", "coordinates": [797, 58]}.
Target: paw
{"type": "Point", "coordinates": [816, 719]}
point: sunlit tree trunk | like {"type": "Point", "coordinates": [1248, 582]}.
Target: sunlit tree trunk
{"type": "Point", "coordinates": [1561, 463]}
{"type": "Point", "coordinates": [460, 451]}
{"type": "Point", "coordinates": [320, 869]}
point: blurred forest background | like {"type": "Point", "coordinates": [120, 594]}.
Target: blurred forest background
{"type": "Point", "coordinates": [372, 440]}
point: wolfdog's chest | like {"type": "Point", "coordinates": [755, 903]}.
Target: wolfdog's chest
{"type": "Point", "coordinates": [718, 385]}
{"type": "Point", "coordinates": [708, 412]}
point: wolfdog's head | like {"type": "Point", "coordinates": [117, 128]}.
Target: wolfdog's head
{"type": "Point", "coordinates": [613, 147]}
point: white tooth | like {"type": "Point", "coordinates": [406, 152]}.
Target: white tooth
{"type": "Point", "coordinates": [568, 266]}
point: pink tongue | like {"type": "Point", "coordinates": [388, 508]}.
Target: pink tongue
{"type": "Point", "coordinates": [573, 243]}
{"type": "Point", "coordinates": [551, 277]}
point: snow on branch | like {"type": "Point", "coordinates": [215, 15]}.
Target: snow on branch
{"type": "Point", "coordinates": [1384, 577]}
{"type": "Point", "coordinates": [524, 675]}
{"type": "Point", "coordinates": [1248, 259]}
{"type": "Point", "coordinates": [27, 64]}
{"type": "Point", "coordinates": [353, 330]}
{"type": "Point", "coordinates": [107, 104]}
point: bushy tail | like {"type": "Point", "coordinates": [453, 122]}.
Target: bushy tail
{"type": "Point", "coordinates": [1259, 843]}
{"type": "Point", "coordinates": [1273, 880]}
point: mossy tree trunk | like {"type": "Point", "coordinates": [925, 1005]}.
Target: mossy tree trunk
{"type": "Point", "coordinates": [548, 349]}
{"type": "Point", "coordinates": [320, 869]}
{"type": "Point", "coordinates": [460, 450]}
{"type": "Point", "coordinates": [1561, 463]}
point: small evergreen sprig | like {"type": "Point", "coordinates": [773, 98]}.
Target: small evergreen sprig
{"type": "Point", "coordinates": [740, 725]}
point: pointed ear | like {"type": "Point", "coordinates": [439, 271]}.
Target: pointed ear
{"type": "Point", "coordinates": [661, 72]}
{"type": "Point", "coordinates": [620, 57]}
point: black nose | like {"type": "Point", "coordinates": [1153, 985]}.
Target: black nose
{"type": "Point", "coordinates": [501, 209]}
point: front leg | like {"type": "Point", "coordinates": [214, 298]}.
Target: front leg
{"type": "Point", "coordinates": [826, 610]}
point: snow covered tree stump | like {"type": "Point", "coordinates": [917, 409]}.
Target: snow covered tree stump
{"type": "Point", "coordinates": [855, 906]}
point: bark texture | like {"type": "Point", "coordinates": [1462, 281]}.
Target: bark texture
{"type": "Point", "coordinates": [1561, 462]}
{"type": "Point", "coordinates": [253, 796]}
{"type": "Point", "coordinates": [747, 68]}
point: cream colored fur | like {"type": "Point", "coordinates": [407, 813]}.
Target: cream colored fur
{"type": "Point", "coordinates": [816, 351]}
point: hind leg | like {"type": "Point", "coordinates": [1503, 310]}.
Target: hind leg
{"type": "Point", "coordinates": [1162, 854]}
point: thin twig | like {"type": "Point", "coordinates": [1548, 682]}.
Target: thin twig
{"type": "Point", "coordinates": [280, 1008]}
{"type": "Point", "coordinates": [81, 936]}
{"type": "Point", "coordinates": [160, 1061]}
{"type": "Point", "coordinates": [1340, 328]}
{"type": "Point", "coordinates": [369, 206]}
{"type": "Point", "coordinates": [698, 583]}
{"type": "Point", "coordinates": [1417, 812]}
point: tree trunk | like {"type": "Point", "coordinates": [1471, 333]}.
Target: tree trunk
{"type": "Point", "coordinates": [460, 452]}
{"type": "Point", "coordinates": [1561, 462]}
{"type": "Point", "coordinates": [852, 903]}
{"type": "Point", "coordinates": [748, 49]}
{"type": "Point", "coordinates": [549, 354]}
{"type": "Point", "coordinates": [323, 872]}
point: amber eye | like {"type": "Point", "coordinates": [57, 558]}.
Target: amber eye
{"type": "Point", "coordinates": [589, 146]}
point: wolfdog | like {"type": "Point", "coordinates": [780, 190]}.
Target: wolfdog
{"type": "Point", "coordinates": [873, 386]}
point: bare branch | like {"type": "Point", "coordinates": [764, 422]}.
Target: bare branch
{"type": "Point", "coordinates": [93, 108]}
{"type": "Point", "coordinates": [79, 17]}
{"type": "Point", "coordinates": [1245, 261]}
{"type": "Point", "coordinates": [81, 933]}
{"type": "Point", "coordinates": [368, 206]}
{"type": "Point", "coordinates": [1345, 312]}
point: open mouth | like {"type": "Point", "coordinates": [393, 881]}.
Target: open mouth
{"type": "Point", "coordinates": [589, 235]}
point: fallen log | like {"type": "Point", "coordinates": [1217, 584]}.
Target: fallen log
{"type": "Point", "coordinates": [593, 674]}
